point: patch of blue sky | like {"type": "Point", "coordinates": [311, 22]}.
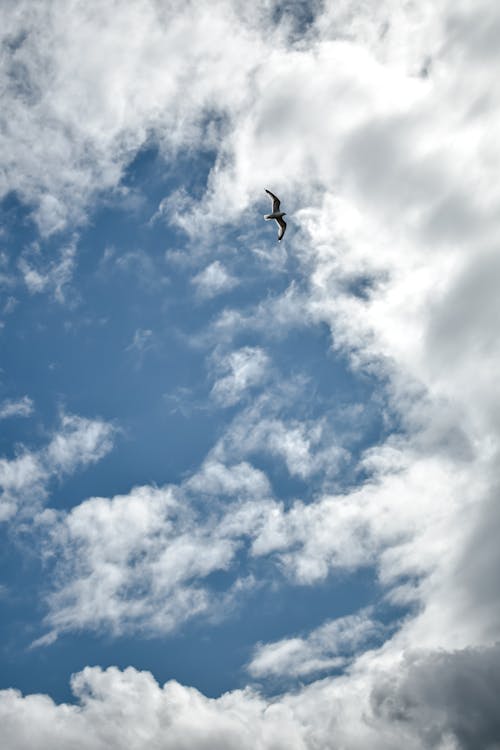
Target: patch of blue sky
{"type": "Point", "coordinates": [126, 344]}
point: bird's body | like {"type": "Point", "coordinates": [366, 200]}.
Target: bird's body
{"type": "Point", "coordinates": [277, 215]}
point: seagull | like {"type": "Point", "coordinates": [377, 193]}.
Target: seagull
{"type": "Point", "coordinates": [277, 214]}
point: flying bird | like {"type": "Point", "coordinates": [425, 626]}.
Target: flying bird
{"type": "Point", "coordinates": [277, 215]}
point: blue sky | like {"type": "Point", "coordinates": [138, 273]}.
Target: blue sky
{"type": "Point", "coordinates": [235, 472]}
{"type": "Point", "coordinates": [121, 345]}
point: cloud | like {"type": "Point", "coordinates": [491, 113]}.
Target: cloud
{"type": "Point", "coordinates": [24, 479]}
{"type": "Point", "coordinates": [7, 279]}
{"type": "Point", "coordinates": [66, 139]}
{"type": "Point", "coordinates": [143, 341]}
{"type": "Point", "coordinates": [307, 447]}
{"type": "Point", "coordinates": [22, 407]}
{"type": "Point", "coordinates": [328, 647]}
{"type": "Point", "coordinates": [443, 695]}
{"type": "Point", "coordinates": [216, 478]}
{"type": "Point", "coordinates": [430, 700]}
{"type": "Point", "coordinates": [132, 561]}
{"type": "Point", "coordinates": [213, 280]}
{"type": "Point", "coordinates": [129, 707]}
{"type": "Point", "coordinates": [49, 276]}
{"type": "Point", "coordinates": [390, 179]}
{"type": "Point", "coordinates": [246, 368]}
{"type": "Point", "coordinates": [80, 441]}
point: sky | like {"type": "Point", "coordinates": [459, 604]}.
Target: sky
{"type": "Point", "coordinates": [249, 488]}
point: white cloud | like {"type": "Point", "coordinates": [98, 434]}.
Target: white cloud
{"type": "Point", "coordinates": [49, 276]}
{"type": "Point", "coordinates": [138, 561]}
{"type": "Point", "coordinates": [213, 280]}
{"type": "Point", "coordinates": [79, 442]}
{"type": "Point", "coordinates": [73, 121]}
{"type": "Point", "coordinates": [24, 479]}
{"type": "Point", "coordinates": [307, 447]}
{"type": "Point", "coordinates": [272, 318]}
{"type": "Point", "coordinates": [129, 707]}
{"type": "Point", "coordinates": [324, 648]}
{"type": "Point", "coordinates": [444, 700]}
{"type": "Point", "coordinates": [21, 407]}
{"type": "Point", "coordinates": [246, 368]}
{"type": "Point", "coordinates": [216, 478]}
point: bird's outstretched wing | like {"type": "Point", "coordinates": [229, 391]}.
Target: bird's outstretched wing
{"type": "Point", "coordinates": [276, 201]}
{"type": "Point", "coordinates": [282, 228]}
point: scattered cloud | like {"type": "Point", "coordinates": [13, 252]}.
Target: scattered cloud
{"type": "Point", "coordinates": [142, 341]}
{"type": "Point", "coordinates": [22, 407]}
{"type": "Point", "coordinates": [214, 280]}
{"type": "Point", "coordinates": [132, 561]}
{"type": "Point", "coordinates": [53, 277]}
{"type": "Point", "coordinates": [24, 479]}
{"type": "Point", "coordinates": [245, 369]}
{"type": "Point", "coordinates": [328, 647]}
{"type": "Point", "coordinates": [306, 446]}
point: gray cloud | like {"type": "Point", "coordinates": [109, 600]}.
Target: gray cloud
{"type": "Point", "coordinates": [445, 695]}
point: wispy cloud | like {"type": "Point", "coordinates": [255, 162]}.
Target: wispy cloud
{"type": "Point", "coordinates": [24, 479]}
{"type": "Point", "coordinates": [142, 341]}
{"type": "Point", "coordinates": [328, 647]}
{"type": "Point", "coordinates": [213, 280]}
{"type": "Point", "coordinates": [22, 407]}
{"type": "Point", "coordinates": [53, 277]}
{"type": "Point", "coordinates": [245, 369]}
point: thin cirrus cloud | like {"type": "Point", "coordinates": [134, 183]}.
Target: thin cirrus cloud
{"type": "Point", "coordinates": [387, 117]}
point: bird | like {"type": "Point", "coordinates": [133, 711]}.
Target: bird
{"type": "Point", "coordinates": [277, 215]}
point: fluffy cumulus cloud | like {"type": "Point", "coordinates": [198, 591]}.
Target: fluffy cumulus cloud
{"type": "Point", "coordinates": [445, 700]}
{"type": "Point", "coordinates": [377, 122]}
{"type": "Point", "coordinates": [133, 562]}
{"type": "Point", "coordinates": [131, 708]}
